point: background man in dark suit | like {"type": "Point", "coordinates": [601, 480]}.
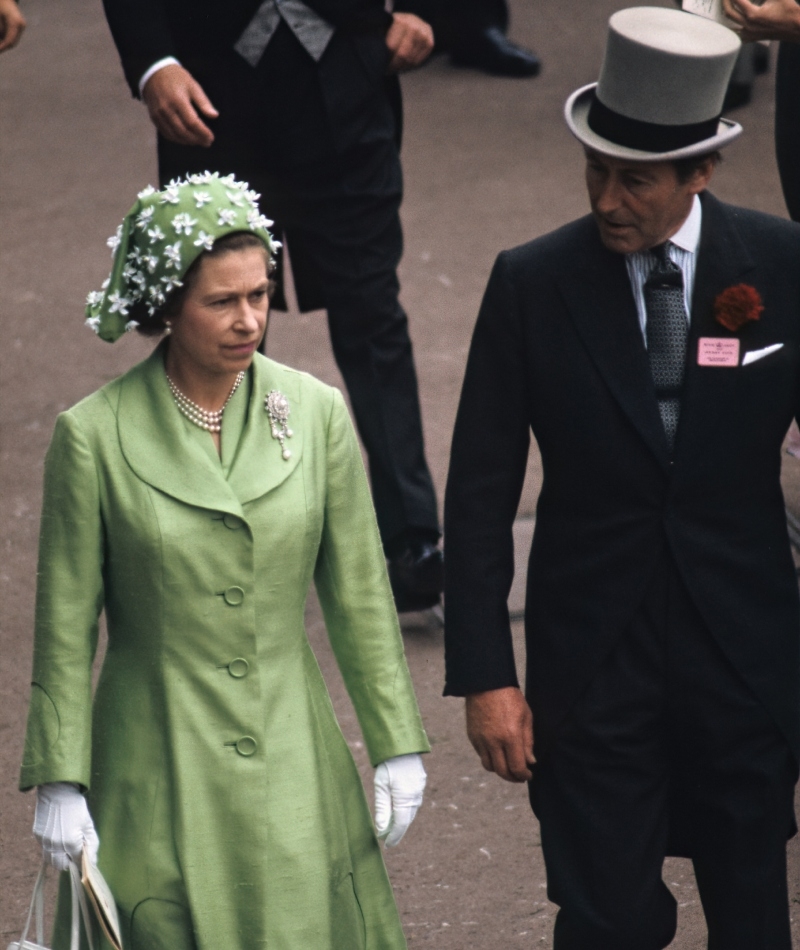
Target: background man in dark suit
{"type": "Point", "coordinates": [652, 348]}
{"type": "Point", "coordinates": [300, 99]}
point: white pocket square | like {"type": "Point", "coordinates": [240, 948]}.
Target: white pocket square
{"type": "Point", "coordinates": [754, 355]}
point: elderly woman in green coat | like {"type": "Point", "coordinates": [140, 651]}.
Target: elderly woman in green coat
{"type": "Point", "coordinates": [195, 499]}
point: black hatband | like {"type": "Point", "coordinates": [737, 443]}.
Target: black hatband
{"type": "Point", "coordinates": [646, 136]}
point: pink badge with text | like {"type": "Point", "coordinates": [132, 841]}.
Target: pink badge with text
{"type": "Point", "coordinates": [717, 351]}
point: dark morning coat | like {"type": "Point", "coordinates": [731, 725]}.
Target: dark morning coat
{"type": "Point", "coordinates": [558, 351]}
{"type": "Point", "coordinates": [319, 141]}
{"type": "Point", "coordinates": [201, 35]}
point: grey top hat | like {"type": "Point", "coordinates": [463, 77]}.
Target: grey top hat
{"type": "Point", "coordinates": [661, 88]}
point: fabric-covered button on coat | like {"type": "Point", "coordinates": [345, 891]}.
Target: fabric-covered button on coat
{"type": "Point", "coordinates": [230, 812]}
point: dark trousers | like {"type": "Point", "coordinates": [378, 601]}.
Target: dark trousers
{"type": "Point", "coordinates": [667, 752]}
{"type": "Point", "coordinates": [339, 214]}
{"type": "Point", "coordinates": [787, 125]}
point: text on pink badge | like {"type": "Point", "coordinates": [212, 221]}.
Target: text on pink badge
{"type": "Point", "coordinates": [717, 351]}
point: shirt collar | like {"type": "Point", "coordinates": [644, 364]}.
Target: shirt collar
{"type": "Point", "coordinates": [687, 236]}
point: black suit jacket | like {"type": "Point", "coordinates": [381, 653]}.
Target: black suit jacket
{"type": "Point", "coordinates": [201, 35]}
{"type": "Point", "coordinates": [558, 350]}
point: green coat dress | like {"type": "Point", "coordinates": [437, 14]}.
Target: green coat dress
{"type": "Point", "coordinates": [230, 812]}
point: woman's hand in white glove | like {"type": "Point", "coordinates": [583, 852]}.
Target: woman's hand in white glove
{"type": "Point", "coordinates": [62, 824]}
{"type": "Point", "coordinates": [399, 784]}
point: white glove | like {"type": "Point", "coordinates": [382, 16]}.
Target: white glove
{"type": "Point", "coordinates": [399, 784]}
{"type": "Point", "coordinates": [62, 824]}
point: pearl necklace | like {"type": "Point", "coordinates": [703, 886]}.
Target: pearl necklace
{"type": "Point", "coordinates": [210, 420]}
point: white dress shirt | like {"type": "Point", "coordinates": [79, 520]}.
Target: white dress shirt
{"type": "Point", "coordinates": [682, 249]}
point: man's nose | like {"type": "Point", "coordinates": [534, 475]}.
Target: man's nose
{"type": "Point", "coordinates": [608, 196]}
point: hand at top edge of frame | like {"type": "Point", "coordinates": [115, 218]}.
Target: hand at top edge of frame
{"type": "Point", "coordinates": [770, 20]}
{"type": "Point", "coordinates": [12, 24]}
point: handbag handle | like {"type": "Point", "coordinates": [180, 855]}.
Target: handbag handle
{"type": "Point", "coordinates": [36, 910]}
{"type": "Point", "coordinates": [79, 901]}
{"type": "Point", "coordinates": [80, 909]}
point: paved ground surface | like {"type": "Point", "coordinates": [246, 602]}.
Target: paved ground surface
{"type": "Point", "coordinates": [488, 165]}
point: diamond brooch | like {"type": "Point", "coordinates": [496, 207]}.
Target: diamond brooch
{"type": "Point", "coordinates": [277, 406]}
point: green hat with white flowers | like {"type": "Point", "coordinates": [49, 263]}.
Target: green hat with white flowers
{"type": "Point", "coordinates": [162, 236]}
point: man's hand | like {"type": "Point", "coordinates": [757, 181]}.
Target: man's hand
{"type": "Point", "coordinates": [410, 41]}
{"type": "Point", "coordinates": [175, 101]}
{"type": "Point", "coordinates": [12, 23]}
{"type": "Point", "coordinates": [772, 20]}
{"type": "Point", "coordinates": [500, 728]}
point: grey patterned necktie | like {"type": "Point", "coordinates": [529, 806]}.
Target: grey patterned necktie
{"type": "Point", "coordinates": [667, 332]}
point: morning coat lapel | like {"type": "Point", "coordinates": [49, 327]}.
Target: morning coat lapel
{"type": "Point", "coordinates": [153, 439]}
{"type": "Point", "coordinates": [723, 260]}
{"type": "Point", "coordinates": [603, 310]}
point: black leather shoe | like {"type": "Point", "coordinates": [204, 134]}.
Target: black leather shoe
{"type": "Point", "coordinates": [492, 51]}
{"type": "Point", "coordinates": [417, 576]}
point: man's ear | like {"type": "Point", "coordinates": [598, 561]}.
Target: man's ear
{"type": "Point", "coordinates": [702, 175]}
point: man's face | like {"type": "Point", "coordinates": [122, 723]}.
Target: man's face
{"type": "Point", "coordinates": [639, 204]}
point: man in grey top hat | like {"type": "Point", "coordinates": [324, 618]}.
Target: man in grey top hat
{"type": "Point", "coordinates": [653, 349]}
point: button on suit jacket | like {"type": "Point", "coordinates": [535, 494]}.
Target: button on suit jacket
{"type": "Point", "coordinates": [558, 351]}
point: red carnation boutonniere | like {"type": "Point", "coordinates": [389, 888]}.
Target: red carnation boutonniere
{"type": "Point", "coordinates": [736, 306]}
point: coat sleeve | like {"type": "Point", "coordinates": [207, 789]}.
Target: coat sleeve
{"type": "Point", "coordinates": [356, 599]}
{"type": "Point", "coordinates": [487, 469]}
{"type": "Point", "coordinates": [69, 598]}
{"type": "Point", "coordinates": [142, 35]}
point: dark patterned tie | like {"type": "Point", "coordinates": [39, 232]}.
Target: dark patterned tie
{"type": "Point", "coordinates": [667, 331]}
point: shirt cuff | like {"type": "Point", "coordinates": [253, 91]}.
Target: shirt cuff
{"type": "Point", "coordinates": [166, 61]}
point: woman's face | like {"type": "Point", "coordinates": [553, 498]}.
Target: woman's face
{"type": "Point", "coordinates": [224, 313]}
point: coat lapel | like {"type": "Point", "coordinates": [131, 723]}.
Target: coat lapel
{"type": "Point", "coordinates": [259, 466]}
{"type": "Point", "coordinates": [723, 260]}
{"type": "Point", "coordinates": [153, 439]}
{"type": "Point", "coordinates": [603, 310]}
